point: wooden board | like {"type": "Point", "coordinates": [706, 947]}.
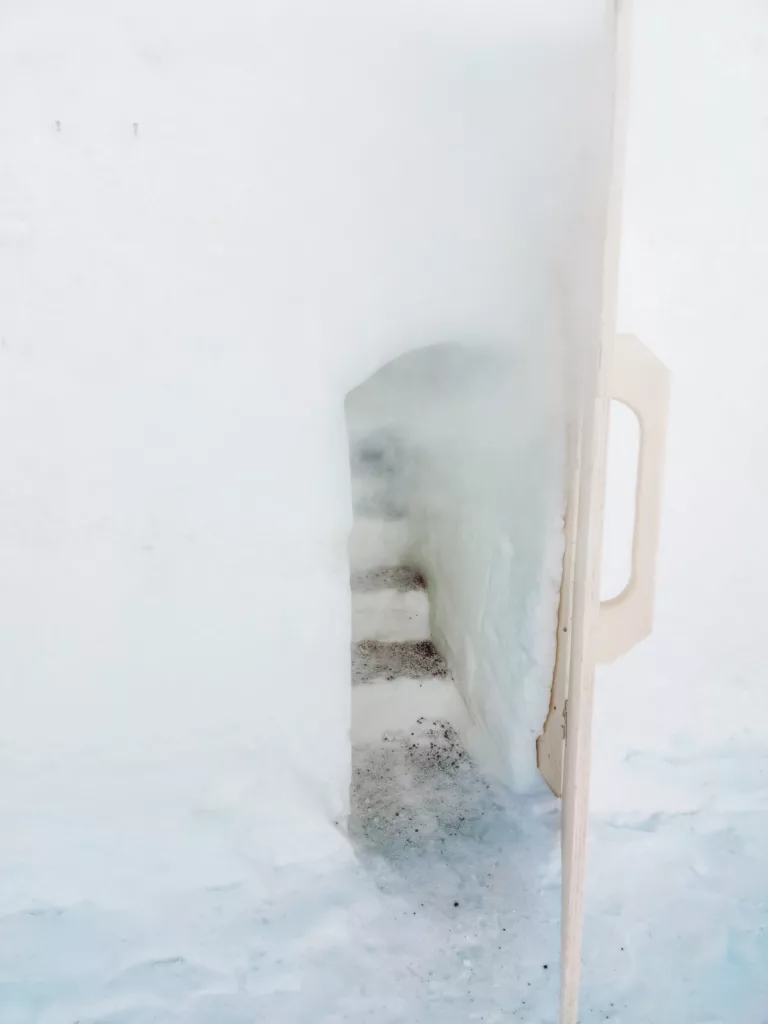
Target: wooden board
{"type": "Point", "coordinates": [587, 512]}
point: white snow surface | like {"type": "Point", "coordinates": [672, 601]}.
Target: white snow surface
{"type": "Point", "coordinates": [106, 916]}
{"type": "Point", "coordinates": [433, 921]}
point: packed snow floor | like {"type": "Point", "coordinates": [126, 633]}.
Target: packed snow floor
{"type": "Point", "coordinates": [677, 921]}
{"type": "Point", "coordinates": [449, 913]}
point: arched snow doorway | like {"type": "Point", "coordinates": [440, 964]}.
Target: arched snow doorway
{"type": "Point", "coordinates": [458, 487]}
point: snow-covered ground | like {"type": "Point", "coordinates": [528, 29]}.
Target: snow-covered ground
{"type": "Point", "coordinates": [450, 913]}
{"type": "Point", "coordinates": [677, 922]}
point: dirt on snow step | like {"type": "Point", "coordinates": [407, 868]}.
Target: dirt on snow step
{"type": "Point", "coordinates": [374, 659]}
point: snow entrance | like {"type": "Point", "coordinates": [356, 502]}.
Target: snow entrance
{"type": "Point", "coordinates": [457, 466]}
{"type": "Point", "coordinates": [455, 458]}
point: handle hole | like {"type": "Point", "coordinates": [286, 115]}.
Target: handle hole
{"type": "Point", "coordinates": [620, 499]}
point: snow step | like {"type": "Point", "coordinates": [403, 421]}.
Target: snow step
{"type": "Point", "coordinates": [398, 577]}
{"type": "Point", "coordinates": [376, 660]}
{"type": "Point", "coordinates": [399, 705]}
{"type": "Point", "coordinates": [373, 499]}
{"type": "Point", "coordinates": [378, 476]}
{"type": "Point", "coordinates": [390, 604]}
{"type": "Point", "coordinates": [376, 542]}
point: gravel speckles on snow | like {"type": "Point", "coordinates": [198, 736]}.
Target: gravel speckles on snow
{"type": "Point", "coordinates": [470, 864]}
{"type": "Point", "coordinates": [399, 577]}
{"type": "Point", "coordinates": [373, 659]}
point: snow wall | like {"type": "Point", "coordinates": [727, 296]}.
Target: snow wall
{"type": "Point", "coordinates": [216, 222]}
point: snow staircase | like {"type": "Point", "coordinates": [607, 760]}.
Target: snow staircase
{"type": "Point", "coordinates": [398, 675]}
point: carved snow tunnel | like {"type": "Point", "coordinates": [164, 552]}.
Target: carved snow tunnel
{"type": "Point", "coordinates": [457, 467]}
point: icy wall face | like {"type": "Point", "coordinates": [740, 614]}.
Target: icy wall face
{"type": "Point", "coordinates": [487, 522]}
{"type": "Point", "coordinates": [216, 222]}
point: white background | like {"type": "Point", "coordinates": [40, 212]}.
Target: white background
{"type": "Point", "coordinates": [694, 286]}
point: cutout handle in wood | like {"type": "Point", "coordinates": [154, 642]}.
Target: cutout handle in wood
{"type": "Point", "coordinates": [641, 382]}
